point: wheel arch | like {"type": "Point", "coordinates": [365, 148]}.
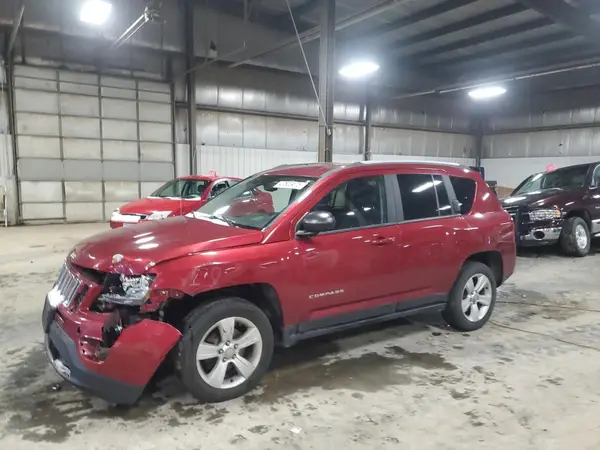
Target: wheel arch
{"type": "Point", "coordinates": [582, 213]}
{"type": "Point", "coordinates": [263, 295]}
{"type": "Point", "coordinates": [492, 259]}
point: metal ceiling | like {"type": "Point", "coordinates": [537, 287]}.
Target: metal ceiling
{"type": "Point", "coordinates": [421, 44]}
{"type": "Point", "coordinates": [453, 40]}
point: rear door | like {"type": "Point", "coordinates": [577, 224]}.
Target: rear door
{"type": "Point", "coordinates": [427, 235]}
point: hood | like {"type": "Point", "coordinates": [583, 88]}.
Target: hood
{"type": "Point", "coordinates": [149, 243]}
{"type": "Point", "coordinates": [547, 197]}
{"type": "Point", "coordinates": [148, 205]}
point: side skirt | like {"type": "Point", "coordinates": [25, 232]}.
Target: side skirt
{"type": "Point", "coordinates": [319, 327]}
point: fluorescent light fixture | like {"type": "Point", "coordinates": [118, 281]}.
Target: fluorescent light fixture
{"type": "Point", "coordinates": [359, 69]}
{"type": "Point", "coordinates": [95, 12]}
{"type": "Point", "coordinates": [486, 92]}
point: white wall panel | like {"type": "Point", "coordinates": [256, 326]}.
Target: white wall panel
{"type": "Point", "coordinates": [79, 105]}
{"type": "Point", "coordinates": [41, 191]}
{"type": "Point", "coordinates": [463, 161]}
{"type": "Point", "coordinates": [82, 136]}
{"type": "Point", "coordinates": [242, 162]}
{"type": "Point", "coordinates": [81, 148]}
{"type": "Point", "coordinates": [38, 147]}
{"type": "Point", "coordinates": [83, 191]}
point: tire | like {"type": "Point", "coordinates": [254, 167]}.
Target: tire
{"type": "Point", "coordinates": [207, 324]}
{"type": "Point", "coordinates": [575, 238]}
{"type": "Point", "coordinates": [460, 313]}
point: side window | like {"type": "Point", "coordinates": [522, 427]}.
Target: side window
{"type": "Point", "coordinates": [596, 181]}
{"type": "Point", "coordinates": [444, 207]}
{"type": "Point", "coordinates": [464, 189]}
{"type": "Point", "coordinates": [360, 202]}
{"type": "Point", "coordinates": [419, 198]}
{"type": "Point", "coordinates": [218, 188]}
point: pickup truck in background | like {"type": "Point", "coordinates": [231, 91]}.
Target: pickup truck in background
{"type": "Point", "coordinates": [558, 207]}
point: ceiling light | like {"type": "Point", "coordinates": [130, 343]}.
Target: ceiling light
{"type": "Point", "coordinates": [359, 69]}
{"type": "Point", "coordinates": [486, 92]}
{"type": "Point", "coordinates": [95, 12]}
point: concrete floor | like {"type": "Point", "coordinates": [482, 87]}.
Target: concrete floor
{"type": "Point", "coordinates": [405, 385]}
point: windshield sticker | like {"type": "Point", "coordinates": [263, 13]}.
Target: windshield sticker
{"type": "Point", "coordinates": [289, 184]}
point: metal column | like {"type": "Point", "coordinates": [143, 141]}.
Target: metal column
{"type": "Point", "coordinates": [368, 128]}
{"type": "Point", "coordinates": [326, 80]}
{"type": "Point", "coordinates": [190, 82]}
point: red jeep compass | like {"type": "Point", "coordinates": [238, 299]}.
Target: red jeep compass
{"type": "Point", "coordinates": [288, 254]}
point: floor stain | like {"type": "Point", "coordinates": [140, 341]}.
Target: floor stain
{"type": "Point", "coordinates": [427, 361]}
{"type": "Point", "coordinates": [259, 429]}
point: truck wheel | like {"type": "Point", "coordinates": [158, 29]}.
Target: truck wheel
{"type": "Point", "coordinates": [575, 239]}
{"type": "Point", "coordinates": [225, 350]}
{"type": "Point", "coordinates": [472, 298]}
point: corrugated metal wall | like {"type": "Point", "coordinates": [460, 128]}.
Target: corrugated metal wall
{"type": "Point", "coordinates": [88, 143]}
{"type": "Point", "coordinates": [250, 120]}
{"type": "Point", "coordinates": [519, 144]}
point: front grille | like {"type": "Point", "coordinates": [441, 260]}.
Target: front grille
{"type": "Point", "coordinates": [513, 211]}
{"type": "Point", "coordinates": [67, 285]}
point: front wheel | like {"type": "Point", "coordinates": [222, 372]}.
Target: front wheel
{"type": "Point", "coordinates": [472, 298]}
{"type": "Point", "coordinates": [225, 350]}
{"type": "Point", "coordinates": [575, 238]}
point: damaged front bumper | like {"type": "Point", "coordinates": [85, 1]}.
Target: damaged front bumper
{"type": "Point", "coordinates": [117, 374]}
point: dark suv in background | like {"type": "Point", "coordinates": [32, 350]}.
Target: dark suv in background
{"type": "Point", "coordinates": [562, 206]}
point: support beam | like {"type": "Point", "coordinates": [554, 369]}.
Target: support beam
{"type": "Point", "coordinates": [385, 33]}
{"type": "Point", "coordinates": [368, 127]}
{"type": "Point", "coordinates": [565, 14]}
{"type": "Point", "coordinates": [482, 38]}
{"type": "Point", "coordinates": [397, 47]}
{"type": "Point", "coordinates": [15, 30]}
{"type": "Point", "coordinates": [503, 50]}
{"type": "Point", "coordinates": [326, 81]}
{"type": "Point", "coordinates": [190, 83]}
{"type": "Point", "coordinates": [315, 33]}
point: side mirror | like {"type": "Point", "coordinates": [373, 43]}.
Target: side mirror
{"type": "Point", "coordinates": [456, 206]}
{"type": "Point", "coordinates": [316, 222]}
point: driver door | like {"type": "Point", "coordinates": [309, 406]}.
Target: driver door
{"type": "Point", "coordinates": [350, 273]}
{"type": "Point", "coordinates": [594, 200]}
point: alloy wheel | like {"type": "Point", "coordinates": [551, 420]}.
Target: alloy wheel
{"type": "Point", "coordinates": [476, 297]}
{"type": "Point", "coordinates": [581, 236]}
{"type": "Point", "coordinates": [229, 352]}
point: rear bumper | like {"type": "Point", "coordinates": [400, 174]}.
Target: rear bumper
{"type": "Point", "coordinates": [64, 357]}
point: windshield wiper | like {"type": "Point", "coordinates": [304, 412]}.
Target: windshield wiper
{"type": "Point", "coordinates": [232, 223]}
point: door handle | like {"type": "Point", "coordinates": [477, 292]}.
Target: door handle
{"type": "Point", "coordinates": [381, 240]}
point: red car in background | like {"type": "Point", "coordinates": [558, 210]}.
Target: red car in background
{"type": "Point", "coordinates": [175, 198]}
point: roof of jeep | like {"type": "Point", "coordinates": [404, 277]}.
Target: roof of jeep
{"type": "Point", "coordinates": [317, 170]}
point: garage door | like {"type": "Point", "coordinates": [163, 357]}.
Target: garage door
{"type": "Point", "coordinates": [88, 143]}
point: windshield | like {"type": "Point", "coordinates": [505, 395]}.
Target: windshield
{"type": "Point", "coordinates": [182, 189]}
{"type": "Point", "coordinates": [256, 201]}
{"type": "Point", "coordinates": [567, 178]}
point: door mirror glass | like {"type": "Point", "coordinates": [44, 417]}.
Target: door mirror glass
{"type": "Point", "coordinates": [316, 222]}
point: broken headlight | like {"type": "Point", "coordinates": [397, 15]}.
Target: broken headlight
{"type": "Point", "coordinates": [130, 290]}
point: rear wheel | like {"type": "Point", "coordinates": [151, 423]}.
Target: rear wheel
{"type": "Point", "coordinates": [472, 298]}
{"type": "Point", "coordinates": [575, 238]}
{"type": "Point", "coordinates": [225, 350]}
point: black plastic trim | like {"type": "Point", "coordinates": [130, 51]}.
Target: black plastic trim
{"type": "Point", "coordinates": [307, 330]}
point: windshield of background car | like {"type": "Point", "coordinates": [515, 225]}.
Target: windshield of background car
{"type": "Point", "coordinates": [567, 178]}
{"type": "Point", "coordinates": [256, 201]}
{"type": "Point", "coordinates": [191, 189]}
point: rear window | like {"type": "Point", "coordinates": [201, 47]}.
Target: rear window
{"type": "Point", "coordinates": [464, 188]}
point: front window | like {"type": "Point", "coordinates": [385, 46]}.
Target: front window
{"type": "Point", "coordinates": [256, 201]}
{"type": "Point", "coordinates": [190, 189]}
{"type": "Point", "coordinates": [567, 178]}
